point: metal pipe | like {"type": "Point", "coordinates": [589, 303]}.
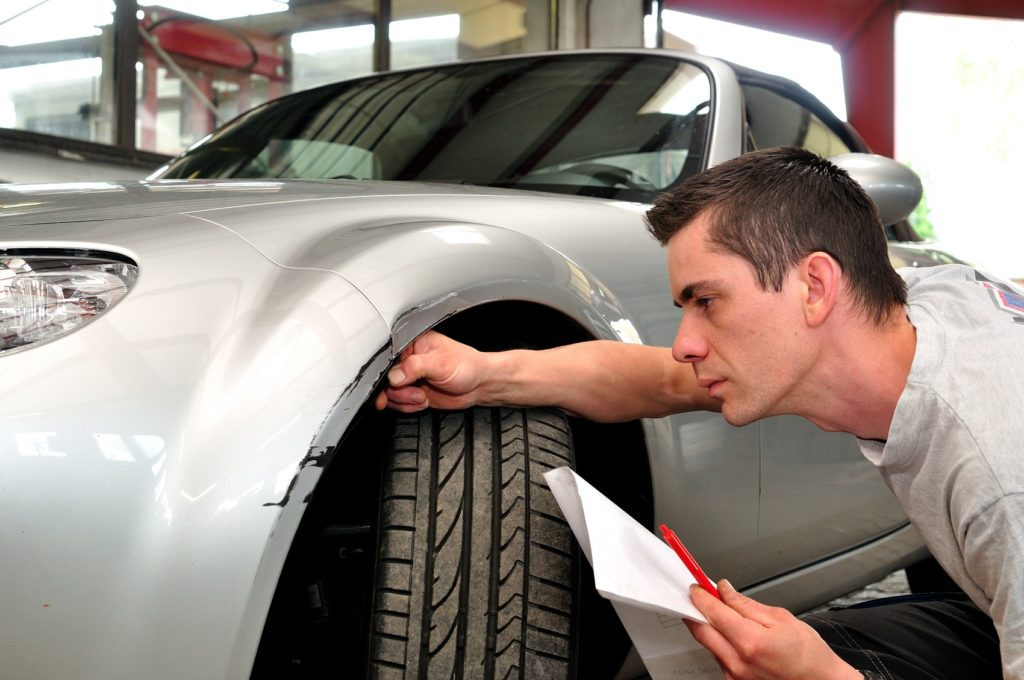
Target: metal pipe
{"type": "Point", "coordinates": [180, 72]}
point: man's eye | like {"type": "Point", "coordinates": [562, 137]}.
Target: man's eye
{"type": "Point", "coordinates": [704, 302]}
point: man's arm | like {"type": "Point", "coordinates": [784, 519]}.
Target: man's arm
{"type": "Point", "coordinates": [601, 380]}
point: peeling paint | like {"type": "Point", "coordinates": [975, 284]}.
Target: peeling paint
{"type": "Point", "coordinates": [403, 319]}
{"type": "Point", "coordinates": [287, 493]}
{"type": "Point", "coordinates": [320, 456]}
{"type": "Point", "coordinates": [317, 456]}
{"type": "Point", "coordinates": [362, 372]}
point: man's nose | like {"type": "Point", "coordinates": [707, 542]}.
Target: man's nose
{"type": "Point", "coordinates": [689, 346]}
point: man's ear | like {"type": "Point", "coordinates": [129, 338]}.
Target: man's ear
{"type": "Point", "coordinates": [822, 277]}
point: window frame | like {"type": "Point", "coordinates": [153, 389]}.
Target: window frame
{"type": "Point", "coordinates": [123, 150]}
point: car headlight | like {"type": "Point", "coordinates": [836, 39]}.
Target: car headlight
{"type": "Point", "coordinates": [47, 294]}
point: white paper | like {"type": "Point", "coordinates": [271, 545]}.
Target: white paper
{"type": "Point", "coordinates": [641, 575]}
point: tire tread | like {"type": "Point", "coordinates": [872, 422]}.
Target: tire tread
{"type": "Point", "coordinates": [476, 575]}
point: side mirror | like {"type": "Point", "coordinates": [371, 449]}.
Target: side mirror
{"type": "Point", "coordinates": [895, 188]}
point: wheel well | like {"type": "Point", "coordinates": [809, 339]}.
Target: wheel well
{"type": "Point", "coordinates": [317, 621]}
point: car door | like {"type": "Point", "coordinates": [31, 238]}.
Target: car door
{"type": "Point", "coordinates": [819, 495]}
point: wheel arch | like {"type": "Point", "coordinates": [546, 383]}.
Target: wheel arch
{"type": "Point", "coordinates": [493, 288]}
{"type": "Point", "coordinates": [600, 448]}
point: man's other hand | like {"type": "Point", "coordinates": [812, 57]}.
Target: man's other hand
{"type": "Point", "coordinates": [752, 641]}
{"type": "Point", "coordinates": [434, 371]}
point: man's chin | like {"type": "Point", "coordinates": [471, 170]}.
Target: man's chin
{"type": "Point", "coordinates": [737, 417]}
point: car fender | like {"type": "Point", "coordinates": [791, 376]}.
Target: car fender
{"type": "Point", "coordinates": [156, 461]}
{"type": "Point", "coordinates": [423, 258]}
{"type": "Point", "coordinates": [418, 273]}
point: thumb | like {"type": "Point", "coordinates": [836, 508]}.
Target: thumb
{"type": "Point", "coordinates": [745, 606]}
{"type": "Point", "coordinates": [429, 366]}
{"type": "Point", "coordinates": [426, 358]}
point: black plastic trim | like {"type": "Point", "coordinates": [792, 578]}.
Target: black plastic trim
{"type": "Point", "coordinates": [70, 149]}
{"type": "Point", "coordinates": [84, 253]}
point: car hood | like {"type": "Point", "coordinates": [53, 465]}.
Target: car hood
{"type": "Point", "coordinates": [22, 204]}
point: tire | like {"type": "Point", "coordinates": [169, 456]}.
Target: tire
{"type": "Point", "coordinates": [476, 569]}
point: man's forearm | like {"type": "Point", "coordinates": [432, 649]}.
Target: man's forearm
{"type": "Point", "coordinates": [601, 380]}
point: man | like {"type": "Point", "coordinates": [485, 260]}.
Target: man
{"type": "Point", "coordinates": [790, 305]}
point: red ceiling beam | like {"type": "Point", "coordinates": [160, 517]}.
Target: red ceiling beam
{"type": "Point", "coordinates": [869, 78]}
{"type": "Point", "coordinates": [996, 9]}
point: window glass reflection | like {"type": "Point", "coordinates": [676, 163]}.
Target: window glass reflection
{"type": "Point", "coordinates": [52, 78]}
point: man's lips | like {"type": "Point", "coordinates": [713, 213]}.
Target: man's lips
{"type": "Point", "coordinates": [711, 385]}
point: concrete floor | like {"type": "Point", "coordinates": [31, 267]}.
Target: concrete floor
{"type": "Point", "coordinates": [893, 584]}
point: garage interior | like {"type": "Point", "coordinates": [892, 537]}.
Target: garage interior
{"type": "Point", "coordinates": [69, 112]}
{"type": "Point", "coordinates": [105, 91]}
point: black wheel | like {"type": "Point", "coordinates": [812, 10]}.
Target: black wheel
{"type": "Point", "coordinates": [476, 571]}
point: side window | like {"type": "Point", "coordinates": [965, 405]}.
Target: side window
{"type": "Point", "coordinates": [774, 120]}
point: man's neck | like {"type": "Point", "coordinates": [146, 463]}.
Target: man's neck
{"type": "Point", "coordinates": [860, 377]}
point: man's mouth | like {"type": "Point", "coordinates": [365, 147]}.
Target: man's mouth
{"type": "Point", "coordinates": [710, 384]}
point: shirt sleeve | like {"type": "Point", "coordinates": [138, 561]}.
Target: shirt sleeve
{"type": "Point", "coordinates": [994, 557]}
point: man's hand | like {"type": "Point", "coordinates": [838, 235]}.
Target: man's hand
{"type": "Point", "coordinates": [753, 641]}
{"type": "Point", "coordinates": [434, 371]}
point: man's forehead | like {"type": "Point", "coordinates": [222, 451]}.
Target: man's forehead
{"type": "Point", "coordinates": [688, 252]}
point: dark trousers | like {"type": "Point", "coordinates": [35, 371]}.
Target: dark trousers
{"type": "Point", "coordinates": [913, 637]}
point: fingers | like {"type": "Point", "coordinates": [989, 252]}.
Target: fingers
{"type": "Point", "coordinates": [433, 371]}
{"type": "Point", "coordinates": [412, 396]}
{"type": "Point", "coordinates": [725, 626]}
{"type": "Point", "coordinates": [749, 608]}
{"type": "Point", "coordinates": [429, 365]}
{"type": "Point", "coordinates": [735, 610]}
{"type": "Point", "coordinates": [713, 641]}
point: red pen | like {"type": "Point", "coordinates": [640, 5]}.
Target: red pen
{"type": "Point", "coordinates": [702, 579]}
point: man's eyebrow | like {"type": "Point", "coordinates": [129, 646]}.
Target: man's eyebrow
{"type": "Point", "coordinates": [691, 291]}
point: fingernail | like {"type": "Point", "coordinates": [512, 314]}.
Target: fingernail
{"type": "Point", "coordinates": [724, 583]}
{"type": "Point", "coordinates": [396, 376]}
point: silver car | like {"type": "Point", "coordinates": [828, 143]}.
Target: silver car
{"type": "Point", "coordinates": [193, 480]}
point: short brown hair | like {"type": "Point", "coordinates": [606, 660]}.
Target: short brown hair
{"type": "Point", "coordinates": [774, 207]}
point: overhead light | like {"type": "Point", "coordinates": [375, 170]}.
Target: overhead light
{"type": "Point", "coordinates": [27, 22]}
{"type": "Point", "coordinates": [444, 26]}
{"type": "Point", "coordinates": [18, 78]}
{"type": "Point", "coordinates": [330, 39]}
{"type": "Point", "coordinates": [428, 28]}
{"type": "Point", "coordinates": [222, 9]}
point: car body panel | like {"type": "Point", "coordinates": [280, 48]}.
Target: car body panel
{"type": "Point", "coordinates": [176, 433]}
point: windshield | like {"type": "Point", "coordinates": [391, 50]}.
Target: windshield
{"type": "Point", "coordinates": [617, 126]}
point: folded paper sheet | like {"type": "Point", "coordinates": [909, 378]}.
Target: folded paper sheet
{"type": "Point", "coordinates": [641, 575]}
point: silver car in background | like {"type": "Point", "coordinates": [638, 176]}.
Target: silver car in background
{"type": "Point", "coordinates": [193, 481]}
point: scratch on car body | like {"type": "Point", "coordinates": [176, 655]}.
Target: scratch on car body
{"type": "Point", "coordinates": [320, 456]}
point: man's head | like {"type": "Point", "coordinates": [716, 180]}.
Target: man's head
{"type": "Point", "coordinates": [776, 258]}
{"type": "Point", "coordinates": [774, 207]}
